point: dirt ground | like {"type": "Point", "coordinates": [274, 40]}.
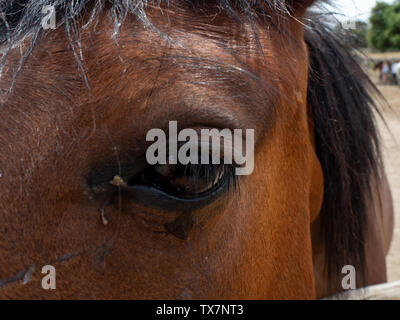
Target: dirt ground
{"type": "Point", "coordinates": [390, 136]}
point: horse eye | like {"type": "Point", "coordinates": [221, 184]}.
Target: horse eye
{"type": "Point", "coordinates": [184, 181]}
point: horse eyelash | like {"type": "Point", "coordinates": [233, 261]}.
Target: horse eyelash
{"type": "Point", "coordinates": [210, 173]}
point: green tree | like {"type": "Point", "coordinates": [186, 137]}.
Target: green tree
{"type": "Point", "coordinates": [384, 33]}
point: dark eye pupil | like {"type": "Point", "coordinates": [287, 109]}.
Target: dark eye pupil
{"type": "Point", "coordinates": [182, 180]}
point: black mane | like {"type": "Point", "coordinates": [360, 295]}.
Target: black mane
{"type": "Point", "coordinates": [342, 99]}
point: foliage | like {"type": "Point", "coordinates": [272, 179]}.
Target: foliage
{"type": "Point", "coordinates": [384, 33]}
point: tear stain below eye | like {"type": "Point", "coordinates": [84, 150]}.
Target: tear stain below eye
{"type": "Point", "coordinates": [181, 226]}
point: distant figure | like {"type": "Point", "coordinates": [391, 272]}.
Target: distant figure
{"type": "Point", "coordinates": [386, 72]}
{"type": "Point", "coordinates": [396, 72]}
{"type": "Point", "coordinates": [378, 66]}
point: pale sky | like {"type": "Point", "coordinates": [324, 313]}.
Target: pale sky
{"type": "Point", "coordinates": [358, 9]}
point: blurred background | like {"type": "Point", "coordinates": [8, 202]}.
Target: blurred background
{"type": "Point", "coordinates": [373, 27]}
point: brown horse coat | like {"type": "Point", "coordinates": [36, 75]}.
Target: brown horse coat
{"type": "Point", "coordinates": [75, 113]}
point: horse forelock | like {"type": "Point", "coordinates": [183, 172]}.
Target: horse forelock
{"type": "Point", "coordinates": [22, 19]}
